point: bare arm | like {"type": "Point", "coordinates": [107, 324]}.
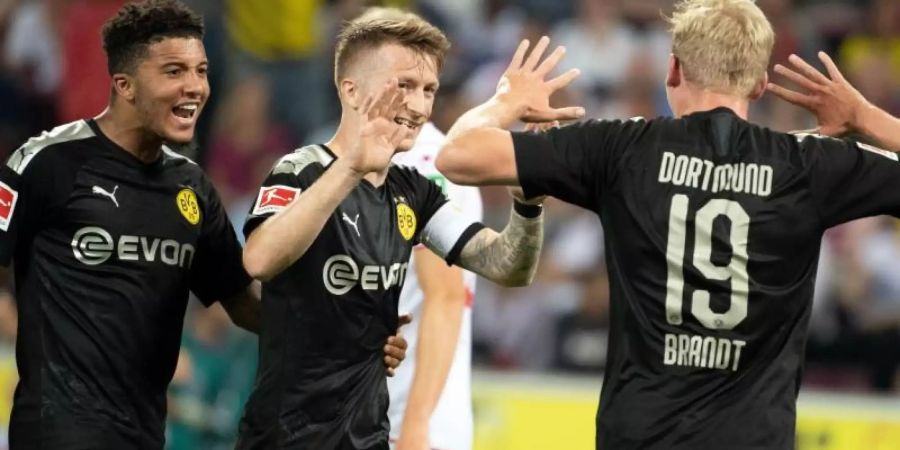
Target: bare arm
{"type": "Point", "coordinates": [478, 149]}
{"type": "Point", "coordinates": [243, 307]}
{"type": "Point", "coordinates": [508, 258]}
{"type": "Point", "coordinates": [839, 108]}
{"type": "Point", "coordinates": [441, 319]}
{"type": "Point", "coordinates": [285, 237]}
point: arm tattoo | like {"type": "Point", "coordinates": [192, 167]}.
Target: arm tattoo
{"type": "Point", "coordinates": [508, 258]}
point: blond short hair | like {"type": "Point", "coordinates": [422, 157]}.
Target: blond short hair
{"type": "Point", "coordinates": [378, 26]}
{"type": "Point", "coordinates": [723, 45]}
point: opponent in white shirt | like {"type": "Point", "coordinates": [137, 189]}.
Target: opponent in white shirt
{"type": "Point", "coordinates": [449, 292]}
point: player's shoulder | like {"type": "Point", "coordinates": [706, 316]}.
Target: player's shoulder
{"type": "Point", "coordinates": [295, 162]}
{"type": "Point", "coordinates": [44, 148]}
{"type": "Point", "coordinates": [172, 158]}
{"type": "Point", "coordinates": [399, 173]}
{"type": "Point", "coordinates": [815, 145]}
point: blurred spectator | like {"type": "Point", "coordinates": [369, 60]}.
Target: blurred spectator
{"type": "Point", "coordinates": [581, 336]}
{"type": "Point", "coordinates": [599, 43]}
{"type": "Point", "coordinates": [282, 40]}
{"type": "Point", "coordinates": [213, 379]}
{"type": "Point", "coordinates": [32, 53]}
{"type": "Point", "coordinates": [85, 87]}
{"type": "Point", "coordinates": [872, 59]}
{"type": "Point", "coordinates": [246, 142]}
{"type": "Point", "coordinates": [9, 376]}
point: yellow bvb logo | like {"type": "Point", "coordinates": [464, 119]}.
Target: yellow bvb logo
{"type": "Point", "coordinates": [406, 220]}
{"type": "Point", "coordinates": [187, 204]}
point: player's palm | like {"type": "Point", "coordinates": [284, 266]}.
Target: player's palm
{"type": "Point", "coordinates": [379, 134]}
{"type": "Point", "coordinates": [523, 85]}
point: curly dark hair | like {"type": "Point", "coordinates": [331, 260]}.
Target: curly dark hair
{"type": "Point", "coordinates": [137, 25]}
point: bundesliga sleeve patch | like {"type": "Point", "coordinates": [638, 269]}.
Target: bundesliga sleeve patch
{"type": "Point", "coordinates": [272, 199]}
{"type": "Point", "coordinates": [8, 198]}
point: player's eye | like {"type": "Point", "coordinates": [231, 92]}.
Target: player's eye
{"type": "Point", "coordinates": [203, 71]}
{"type": "Point", "coordinates": [173, 71]}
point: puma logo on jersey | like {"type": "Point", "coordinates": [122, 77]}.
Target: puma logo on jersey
{"type": "Point", "coordinates": [110, 195]}
{"type": "Point", "coordinates": [352, 223]}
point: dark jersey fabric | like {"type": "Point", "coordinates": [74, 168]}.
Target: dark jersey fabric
{"type": "Point", "coordinates": [712, 227]}
{"type": "Point", "coordinates": [321, 381]}
{"type": "Point", "coordinates": [105, 250]}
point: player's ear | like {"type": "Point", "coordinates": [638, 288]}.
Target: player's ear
{"type": "Point", "coordinates": [123, 86]}
{"type": "Point", "coordinates": [350, 92]}
{"type": "Point", "coordinates": [673, 75]}
{"type": "Point", "coordinates": [760, 87]}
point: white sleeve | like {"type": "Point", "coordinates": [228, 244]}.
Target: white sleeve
{"type": "Point", "coordinates": [448, 231]}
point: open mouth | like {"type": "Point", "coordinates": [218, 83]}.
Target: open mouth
{"type": "Point", "coordinates": [186, 111]}
{"type": "Point", "coordinates": [406, 122]}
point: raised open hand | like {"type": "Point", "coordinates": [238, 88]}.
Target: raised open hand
{"type": "Point", "coordinates": [523, 86]}
{"type": "Point", "coordinates": [834, 101]}
{"type": "Point", "coordinates": [379, 133]}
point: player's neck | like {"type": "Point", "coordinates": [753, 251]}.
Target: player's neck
{"type": "Point", "coordinates": [128, 133]}
{"type": "Point", "coordinates": [705, 100]}
{"type": "Point", "coordinates": [344, 139]}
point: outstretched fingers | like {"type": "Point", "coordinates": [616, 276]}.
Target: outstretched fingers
{"type": "Point", "coordinates": [385, 100]}
{"type": "Point", "coordinates": [809, 71]}
{"type": "Point", "coordinates": [550, 63]}
{"type": "Point", "coordinates": [797, 78]}
{"type": "Point", "coordinates": [563, 80]}
{"type": "Point", "coordinates": [536, 54]}
{"type": "Point", "coordinates": [519, 56]}
{"type": "Point", "coordinates": [790, 96]}
{"type": "Point", "coordinates": [831, 67]}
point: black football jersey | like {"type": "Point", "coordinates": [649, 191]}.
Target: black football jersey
{"type": "Point", "coordinates": [713, 227]}
{"type": "Point", "coordinates": [105, 250]}
{"type": "Point", "coordinates": [325, 319]}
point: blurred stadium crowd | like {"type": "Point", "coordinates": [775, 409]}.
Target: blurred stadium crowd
{"type": "Point", "coordinates": [271, 76]}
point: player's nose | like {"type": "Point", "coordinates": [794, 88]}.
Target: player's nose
{"type": "Point", "coordinates": [416, 104]}
{"type": "Point", "coordinates": [195, 85]}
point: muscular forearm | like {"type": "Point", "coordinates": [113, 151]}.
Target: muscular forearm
{"type": "Point", "coordinates": [877, 125]}
{"type": "Point", "coordinates": [285, 237]}
{"type": "Point", "coordinates": [490, 114]}
{"type": "Point", "coordinates": [508, 258]}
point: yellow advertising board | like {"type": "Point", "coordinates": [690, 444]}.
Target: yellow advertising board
{"type": "Point", "coordinates": [541, 412]}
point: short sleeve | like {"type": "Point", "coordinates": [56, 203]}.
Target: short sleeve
{"type": "Point", "coordinates": [571, 163]}
{"type": "Point", "coordinates": [292, 174]}
{"type": "Point", "coordinates": [446, 229]}
{"type": "Point", "coordinates": [850, 180]}
{"type": "Point", "coordinates": [218, 269]}
{"type": "Point", "coordinates": [28, 182]}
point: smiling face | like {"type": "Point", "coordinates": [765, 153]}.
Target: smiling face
{"type": "Point", "coordinates": [417, 78]}
{"type": "Point", "coordinates": [169, 88]}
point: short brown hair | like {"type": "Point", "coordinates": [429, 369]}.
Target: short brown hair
{"type": "Point", "coordinates": [723, 45]}
{"type": "Point", "coordinates": [378, 26]}
{"type": "Point", "coordinates": [128, 34]}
